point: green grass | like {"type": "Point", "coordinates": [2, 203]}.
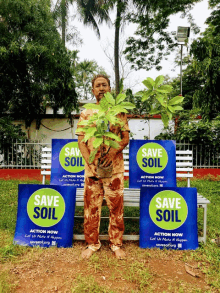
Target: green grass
{"type": "Point", "coordinates": [208, 255]}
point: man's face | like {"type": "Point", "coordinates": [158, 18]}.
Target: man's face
{"type": "Point", "coordinates": [100, 87]}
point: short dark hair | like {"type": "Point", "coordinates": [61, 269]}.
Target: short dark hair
{"type": "Point", "coordinates": [100, 75]}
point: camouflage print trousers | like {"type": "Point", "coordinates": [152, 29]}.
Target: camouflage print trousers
{"type": "Point", "coordinates": [94, 190]}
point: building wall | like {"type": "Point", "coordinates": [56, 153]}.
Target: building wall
{"type": "Point", "coordinates": [60, 128]}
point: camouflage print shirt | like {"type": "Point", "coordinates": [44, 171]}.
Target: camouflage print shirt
{"type": "Point", "coordinates": [118, 162]}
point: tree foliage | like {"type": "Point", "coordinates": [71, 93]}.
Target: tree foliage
{"type": "Point", "coordinates": [83, 73]}
{"type": "Point", "coordinates": [152, 41]}
{"type": "Point", "coordinates": [35, 68]}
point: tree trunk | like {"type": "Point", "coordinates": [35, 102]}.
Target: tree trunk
{"type": "Point", "coordinates": [63, 21]}
{"type": "Point", "coordinates": [116, 46]}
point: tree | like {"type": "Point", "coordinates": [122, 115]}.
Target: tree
{"type": "Point", "coordinates": [91, 13]}
{"type": "Point", "coordinates": [84, 72]}
{"type": "Point", "coordinates": [206, 61]}
{"type": "Point", "coordinates": [35, 68]}
{"type": "Point", "coordinates": [152, 41]}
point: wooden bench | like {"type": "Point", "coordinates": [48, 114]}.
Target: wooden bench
{"type": "Point", "coordinates": [184, 169]}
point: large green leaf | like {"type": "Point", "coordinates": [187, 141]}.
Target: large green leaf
{"type": "Point", "coordinates": [111, 119]}
{"type": "Point", "coordinates": [148, 84]}
{"type": "Point", "coordinates": [89, 133]}
{"type": "Point", "coordinates": [165, 89]}
{"type": "Point", "coordinates": [127, 105]}
{"type": "Point", "coordinates": [113, 136]}
{"type": "Point", "coordinates": [104, 104]}
{"type": "Point", "coordinates": [120, 98]}
{"type": "Point", "coordinates": [177, 108]}
{"type": "Point", "coordinates": [176, 100]}
{"type": "Point", "coordinates": [161, 100]}
{"type": "Point", "coordinates": [159, 80]}
{"type": "Point", "coordinates": [146, 95]}
{"type": "Point", "coordinates": [165, 119]}
{"type": "Point", "coordinates": [84, 122]}
{"type": "Point", "coordinates": [119, 109]}
{"type": "Point", "coordinates": [92, 156]}
{"type": "Point", "coordinates": [97, 142]}
{"type": "Point", "coordinates": [80, 130]}
{"type": "Point", "coordinates": [110, 98]}
{"type": "Point", "coordinates": [171, 109]}
{"type": "Point", "coordinates": [114, 144]}
{"type": "Point", "coordinates": [92, 106]}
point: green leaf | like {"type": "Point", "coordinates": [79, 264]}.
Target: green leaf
{"type": "Point", "coordinates": [92, 106]}
{"type": "Point", "coordinates": [111, 119]}
{"type": "Point", "coordinates": [97, 142]}
{"type": "Point", "coordinates": [119, 109]}
{"type": "Point", "coordinates": [177, 108]}
{"type": "Point", "coordinates": [110, 98]}
{"type": "Point", "coordinates": [149, 83]}
{"type": "Point", "coordinates": [84, 122]}
{"type": "Point", "coordinates": [113, 144]}
{"type": "Point", "coordinates": [159, 80]}
{"type": "Point", "coordinates": [176, 100]}
{"type": "Point", "coordinates": [113, 136]}
{"type": "Point", "coordinates": [104, 104]}
{"type": "Point", "coordinates": [161, 100]}
{"type": "Point", "coordinates": [154, 111]}
{"type": "Point", "coordinates": [171, 109]}
{"type": "Point", "coordinates": [170, 115]}
{"type": "Point", "coordinates": [165, 89]}
{"type": "Point", "coordinates": [127, 105]}
{"type": "Point", "coordinates": [120, 98]}
{"type": "Point", "coordinates": [146, 95]}
{"type": "Point", "coordinates": [89, 133]}
{"type": "Point", "coordinates": [165, 119]}
{"type": "Point", "coordinates": [92, 156]}
{"type": "Point", "coordinates": [80, 130]}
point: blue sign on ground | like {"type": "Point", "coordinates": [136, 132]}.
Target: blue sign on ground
{"type": "Point", "coordinates": [67, 163]}
{"type": "Point", "coordinates": [168, 218]}
{"type": "Point", "coordinates": [45, 215]}
{"type": "Point", "coordinates": [152, 163]}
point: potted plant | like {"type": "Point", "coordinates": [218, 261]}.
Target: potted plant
{"type": "Point", "coordinates": [109, 108]}
{"type": "Point", "coordinates": [98, 127]}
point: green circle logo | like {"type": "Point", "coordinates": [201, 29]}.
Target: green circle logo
{"type": "Point", "coordinates": [71, 158]}
{"type": "Point", "coordinates": [46, 207]}
{"type": "Point", "coordinates": [168, 210]}
{"type": "Point", "coordinates": [152, 158]}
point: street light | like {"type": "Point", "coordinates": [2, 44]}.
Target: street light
{"type": "Point", "coordinates": [182, 36]}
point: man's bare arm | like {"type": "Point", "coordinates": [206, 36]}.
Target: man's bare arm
{"type": "Point", "coordinates": [85, 153]}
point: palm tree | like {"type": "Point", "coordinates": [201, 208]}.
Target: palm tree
{"type": "Point", "coordinates": [92, 12]}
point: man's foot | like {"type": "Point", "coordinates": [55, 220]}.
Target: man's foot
{"type": "Point", "coordinates": [87, 253]}
{"type": "Point", "coordinates": [120, 254]}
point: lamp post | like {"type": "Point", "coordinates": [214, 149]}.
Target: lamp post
{"type": "Point", "coordinates": [182, 37]}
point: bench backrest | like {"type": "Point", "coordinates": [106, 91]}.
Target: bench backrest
{"type": "Point", "coordinates": [184, 164]}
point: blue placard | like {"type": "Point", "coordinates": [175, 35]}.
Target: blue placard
{"type": "Point", "coordinates": [45, 215]}
{"type": "Point", "coordinates": [67, 163]}
{"type": "Point", "coordinates": [152, 163]}
{"type": "Point", "coordinates": [168, 218]}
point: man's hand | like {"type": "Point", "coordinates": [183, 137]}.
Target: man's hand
{"type": "Point", "coordinates": [93, 169]}
{"type": "Point", "coordinates": [107, 160]}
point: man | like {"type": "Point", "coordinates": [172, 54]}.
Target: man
{"type": "Point", "coordinates": [112, 188]}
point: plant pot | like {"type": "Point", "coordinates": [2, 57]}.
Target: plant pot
{"type": "Point", "coordinates": [104, 172]}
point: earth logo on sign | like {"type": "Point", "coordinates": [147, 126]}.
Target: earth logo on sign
{"type": "Point", "coordinates": [46, 207]}
{"type": "Point", "coordinates": [152, 158]}
{"type": "Point", "coordinates": [168, 210]}
{"type": "Point", "coordinates": [71, 158]}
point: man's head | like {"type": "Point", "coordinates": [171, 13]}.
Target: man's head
{"type": "Point", "coordinates": [100, 86]}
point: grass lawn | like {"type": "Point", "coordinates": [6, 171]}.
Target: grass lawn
{"type": "Point", "coordinates": [140, 272]}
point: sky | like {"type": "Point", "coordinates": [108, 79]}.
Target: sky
{"type": "Point", "coordinates": [92, 47]}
